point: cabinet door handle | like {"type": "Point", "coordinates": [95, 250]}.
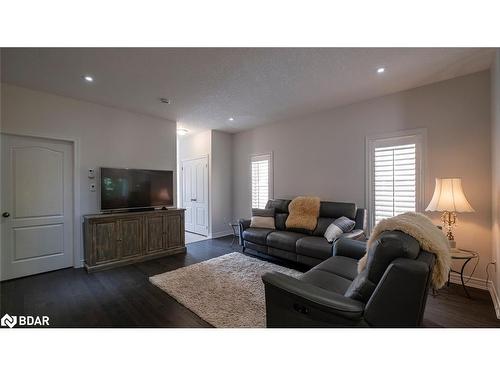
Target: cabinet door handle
{"type": "Point", "coordinates": [193, 199]}
{"type": "Point", "coordinates": [6, 214]}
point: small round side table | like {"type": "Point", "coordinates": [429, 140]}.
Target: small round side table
{"type": "Point", "coordinates": [466, 256]}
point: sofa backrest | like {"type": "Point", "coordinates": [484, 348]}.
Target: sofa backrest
{"type": "Point", "coordinates": [387, 248]}
{"type": "Point", "coordinates": [280, 211]}
{"type": "Point", "coordinates": [328, 212]}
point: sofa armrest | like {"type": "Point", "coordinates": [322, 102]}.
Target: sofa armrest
{"type": "Point", "coordinates": [243, 224]}
{"type": "Point", "coordinates": [348, 247]}
{"type": "Point", "coordinates": [400, 296]}
{"type": "Point", "coordinates": [313, 297]}
{"type": "Point", "coordinates": [355, 234]}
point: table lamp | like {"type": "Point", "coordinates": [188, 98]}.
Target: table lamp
{"type": "Point", "coordinates": [449, 198]}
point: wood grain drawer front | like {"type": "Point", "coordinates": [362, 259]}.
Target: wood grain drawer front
{"type": "Point", "coordinates": [130, 239]}
{"type": "Point", "coordinates": [155, 239]}
{"type": "Point", "coordinates": [174, 234]}
{"type": "Point", "coordinates": [105, 247]}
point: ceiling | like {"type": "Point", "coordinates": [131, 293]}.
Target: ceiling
{"type": "Point", "coordinates": [255, 86]}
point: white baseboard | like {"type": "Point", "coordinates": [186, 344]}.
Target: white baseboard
{"type": "Point", "coordinates": [473, 283]}
{"type": "Point", "coordinates": [228, 232]}
{"type": "Point", "coordinates": [495, 298]}
{"type": "Point", "coordinates": [480, 284]}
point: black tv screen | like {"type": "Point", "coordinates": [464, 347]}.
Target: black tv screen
{"type": "Point", "coordinates": [135, 188]}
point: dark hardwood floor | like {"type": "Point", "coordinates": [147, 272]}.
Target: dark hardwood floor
{"type": "Point", "coordinates": [123, 297]}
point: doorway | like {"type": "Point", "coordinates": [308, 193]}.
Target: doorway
{"type": "Point", "coordinates": [36, 205]}
{"type": "Point", "coordinates": [195, 195]}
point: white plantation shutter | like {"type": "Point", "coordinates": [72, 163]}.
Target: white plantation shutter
{"type": "Point", "coordinates": [395, 181]}
{"type": "Point", "coordinates": [395, 176]}
{"type": "Point", "coordinates": [261, 170]}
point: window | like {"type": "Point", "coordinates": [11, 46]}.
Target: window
{"type": "Point", "coordinates": [395, 174]}
{"type": "Point", "coordinates": [261, 170]}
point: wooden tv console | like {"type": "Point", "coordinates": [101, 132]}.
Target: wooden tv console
{"type": "Point", "coordinates": [112, 240]}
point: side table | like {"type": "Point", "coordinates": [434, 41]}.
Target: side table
{"type": "Point", "coordinates": [466, 256]}
{"type": "Point", "coordinates": [235, 227]}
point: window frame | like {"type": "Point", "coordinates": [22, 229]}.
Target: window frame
{"type": "Point", "coordinates": [257, 157]}
{"type": "Point", "coordinates": [416, 136]}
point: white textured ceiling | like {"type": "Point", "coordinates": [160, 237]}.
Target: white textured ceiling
{"type": "Point", "coordinates": [255, 86]}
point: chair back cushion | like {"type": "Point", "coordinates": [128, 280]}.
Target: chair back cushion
{"type": "Point", "coordinates": [390, 246]}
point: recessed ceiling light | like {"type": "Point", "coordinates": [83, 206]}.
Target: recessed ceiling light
{"type": "Point", "coordinates": [182, 131]}
{"type": "Point", "coordinates": [231, 119]}
{"type": "Point", "coordinates": [380, 70]}
{"type": "Point", "coordinates": [165, 101]}
{"type": "Point", "coordinates": [88, 78]}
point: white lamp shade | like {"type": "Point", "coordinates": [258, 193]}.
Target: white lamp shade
{"type": "Point", "coordinates": [449, 196]}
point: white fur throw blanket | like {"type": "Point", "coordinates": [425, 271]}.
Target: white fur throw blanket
{"type": "Point", "coordinates": [426, 233]}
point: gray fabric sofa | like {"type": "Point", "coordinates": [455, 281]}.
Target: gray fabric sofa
{"type": "Point", "coordinates": [305, 247]}
{"type": "Point", "coordinates": [391, 291]}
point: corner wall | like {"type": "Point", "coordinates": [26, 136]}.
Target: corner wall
{"type": "Point", "coordinates": [495, 144]}
{"type": "Point", "coordinates": [323, 154]}
{"type": "Point", "coordinates": [221, 188]}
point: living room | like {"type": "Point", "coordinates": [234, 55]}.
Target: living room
{"type": "Point", "coordinates": [249, 186]}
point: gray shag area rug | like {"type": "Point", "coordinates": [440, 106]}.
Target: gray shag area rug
{"type": "Point", "coordinates": [226, 291]}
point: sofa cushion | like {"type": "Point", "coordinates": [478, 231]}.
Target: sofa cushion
{"type": "Point", "coordinates": [337, 209]}
{"type": "Point", "coordinates": [256, 235]}
{"type": "Point", "coordinates": [326, 280]}
{"type": "Point", "coordinates": [323, 224]}
{"type": "Point", "coordinates": [361, 289]}
{"type": "Point", "coordinates": [280, 220]}
{"type": "Point", "coordinates": [339, 265]}
{"type": "Point", "coordinates": [315, 247]}
{"type": "Point", "coordinates": [284, 240]}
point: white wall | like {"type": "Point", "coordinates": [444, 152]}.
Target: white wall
{"type": "Point", "coordinates": [105, 136]}
{"type": "Point", "coordinates": [324, 154]}
{"type": "Point", "coordinates": [495, 137]}
{"type": "Point", "coordinates": [221, 183]}
{"type": "Point", "coordinates": [217, 145]}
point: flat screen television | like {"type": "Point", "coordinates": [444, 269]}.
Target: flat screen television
{"type": "Point", "coordinates": [125, 189]}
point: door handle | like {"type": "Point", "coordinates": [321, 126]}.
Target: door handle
{"type": "Point", "coordinates": [6, 214]}
{"type": "Point", "coordinates": [193, 199]}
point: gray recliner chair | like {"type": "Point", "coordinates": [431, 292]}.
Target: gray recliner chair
{"type": "Point", "coordinates": [390, 292]}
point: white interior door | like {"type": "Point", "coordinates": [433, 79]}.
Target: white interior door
{"type": "Point", "coordinates": [36, 206]}
{"type": "Point", "coordinates": [195, 194]}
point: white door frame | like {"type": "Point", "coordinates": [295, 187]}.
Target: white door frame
{"type": "Point", "coordinates": [207, 156]}
{"type": "Point", "coordinates": [77, 221]}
